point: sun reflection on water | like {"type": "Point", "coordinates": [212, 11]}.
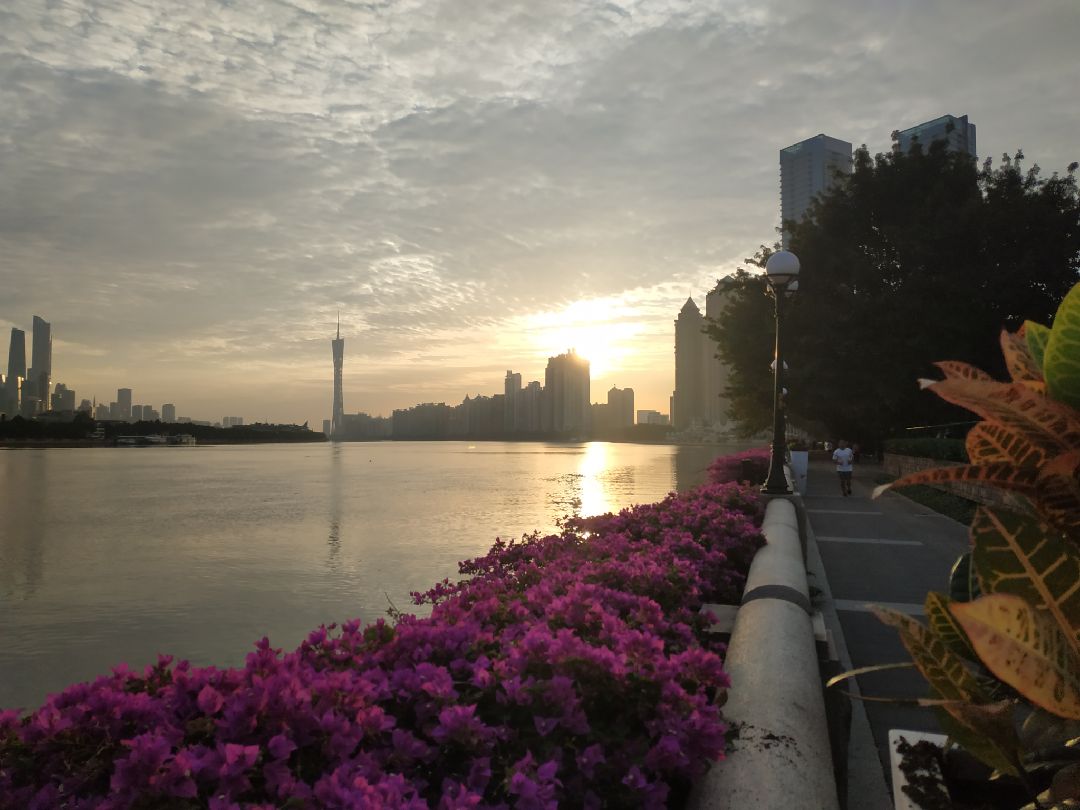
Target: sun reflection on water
{"type": "Point", "coordinates": [596, 496]}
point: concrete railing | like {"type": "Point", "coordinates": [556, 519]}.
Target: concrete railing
{"type": "Point", "coordinates": [780, 758]}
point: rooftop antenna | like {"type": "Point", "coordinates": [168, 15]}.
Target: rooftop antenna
{"type": "Point", "coordinates": [339, 324]}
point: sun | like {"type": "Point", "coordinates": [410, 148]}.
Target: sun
{"type": "Point", "coordinates": [598, 329]}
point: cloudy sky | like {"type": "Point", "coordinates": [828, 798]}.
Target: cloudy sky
{"type": "Point", "coordinates": [192, 189]}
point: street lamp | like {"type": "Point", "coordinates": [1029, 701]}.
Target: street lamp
{"type": "Point", "coordinates": [782, 273]}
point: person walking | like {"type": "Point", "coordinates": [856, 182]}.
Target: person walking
{"type": "Point", "coordinates": [844, 458]}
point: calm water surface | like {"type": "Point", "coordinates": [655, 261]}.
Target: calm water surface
{"type": "Point", "coordinates": [112, 555]}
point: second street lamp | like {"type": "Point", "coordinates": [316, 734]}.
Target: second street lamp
{"type": "Point", "coordinates": [782, 273]}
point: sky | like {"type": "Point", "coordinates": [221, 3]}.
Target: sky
{"type": "Point", "coordinates": [193, 190]}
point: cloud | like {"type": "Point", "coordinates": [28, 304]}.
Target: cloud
{"type": "Point", "coordinates": [193, 191]}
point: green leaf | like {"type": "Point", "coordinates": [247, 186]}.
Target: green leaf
{"type": "Point", "coordinates": [1025, 648]}
{"type": "Point", "coordinates": [1014, 553]}
{"type": "Point", "coordinates": [945, 627]}
{"type": "Point", "coordinates": [1061, 362]}
{"type": "Point", "coordinates": [963, 586]}
{"type": "Point", "coordinates": [1036, 336]}
{"type": "Point", "coordinates": [945, 671]}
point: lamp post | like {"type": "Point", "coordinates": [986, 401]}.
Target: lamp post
{"type": "Point", "coordinates": [782, 273]}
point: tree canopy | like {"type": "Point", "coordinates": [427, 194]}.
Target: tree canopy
{"type": "Point", "coordinates": [913, 258]}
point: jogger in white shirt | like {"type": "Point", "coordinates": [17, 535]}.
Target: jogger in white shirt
{"type": "Point", "coordinates": [844, 456]}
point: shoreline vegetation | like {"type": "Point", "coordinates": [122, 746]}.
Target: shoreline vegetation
{"type": "Point", "coordinates": [574, 669]}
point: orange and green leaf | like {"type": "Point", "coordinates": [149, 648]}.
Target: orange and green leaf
{"type": "Point", "coordinates": [1025, 648]}
{"type": "Point", "coordinates": [1001, 474]}
{"type": "Point", "coordinates": [1042, 421]}
{"type": "Point", "coordinates": [943, 669]}
{"type": "Point", "coordinates": [1016, 554]}
{"type": "Point", "coordinates": [988, 442]}
{"type": "Point", "coordinates": [944, 625]}
{"type": "Point", "coordinates": [1018, 359]}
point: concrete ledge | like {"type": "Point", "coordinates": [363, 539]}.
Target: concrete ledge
{"type": "Point", "coordinates": [780, 759]}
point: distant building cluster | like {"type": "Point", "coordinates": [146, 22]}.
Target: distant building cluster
{"type": "Point", "coordinates": [809, 168]}
{"type": "Point", "coordinates": [560, 408]}
{"type": "Point", "coordinates": [28, 392]}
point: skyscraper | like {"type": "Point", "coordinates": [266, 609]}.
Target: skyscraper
{"type": "Point", "coordinates": [63, 398]}
{"type": "Point", "coordinates": [16, 372]}
{"type": "Point", "coordinates": [807, 169]}
{"type": "Point", "coordinates": [689, 346]}
{"type": "Point", "coordinates": [123, 404]}
{"type": "Point", "coordinates": [512, 421]}
{"type": "Point", "coordinates": [168, 413]}
{"type": "Point", "coordinates": [338, 347]}
{"type": "Point", "coordinates": [566, 394]}
{"type": "Point", "coordinates": [957, 132]}
{"type": "Point", "coordinates": [41, 362]}
{"type": "Point", "coordinates": [620, 402]}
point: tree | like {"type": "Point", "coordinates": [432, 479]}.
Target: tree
{"type": "Point", "coordinates": [912, 257]}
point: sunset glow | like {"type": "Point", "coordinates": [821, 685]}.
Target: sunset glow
{"type": "Point", "coordinates": [602, 330]}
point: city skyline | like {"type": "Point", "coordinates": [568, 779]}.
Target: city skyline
{"type": "Point", "coordinates": [475, 192]}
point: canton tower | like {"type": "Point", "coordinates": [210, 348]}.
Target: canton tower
{"type": "Point", "coordinates": [338, 345]}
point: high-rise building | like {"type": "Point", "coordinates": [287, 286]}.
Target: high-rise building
{"type": "Point", "coordinates": [16, 375]}
{"type": "Point", "coordinates": [807, 169]}
{"type": "Point", "coordinates": [530, 407]}
{"type": "Point", "coordinates": [41, 362]}
{"type": "Point", "coordinates": [86, 407]}
{"type": "Point", "coordinates": [689, 405]}
{"type": "Point", "coordinates": [123, 402]}
{"type": "Point", "coordinates": [620, 407]}
{"type": "Point", "coordinates": [512, 392]}
{"type": "Point", "coordinates": [103, 412]}
{"type": "Point", "coordinates": [232, 421]}
{"type": "Point", "coordinates": [168, 413]}
{"type": "Point", "coordinates": [566, 394]}
{"type": "Point", "coordinates": [326, 427]}
{"type": "Point", "coordinates": [63, 398]}
{"type": "Point", "coordinates": [957, 132]}
{"type": "Point", "coordinates": [337, 345]}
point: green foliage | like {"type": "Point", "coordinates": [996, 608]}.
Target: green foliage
{"type": "Point", "coordinates": [1061, 362]}
{"type": "Point", "coordinates": [887, 256]}
{"type": "Point", "coordinates": [928, 447]}
{"type": "Point", "coordinates": [1012, 622]}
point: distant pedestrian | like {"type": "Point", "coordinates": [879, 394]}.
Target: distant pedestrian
{"type": "Point", "coordinates": [844, 458]}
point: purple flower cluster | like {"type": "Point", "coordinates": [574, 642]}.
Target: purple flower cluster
{"type": "Point", "coordinates": [731, 468]}
{"type": "Point", "coordinates": [566, 671]}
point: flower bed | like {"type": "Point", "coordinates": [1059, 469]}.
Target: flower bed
{"type": "Point", "coordinates": [567, 670]}
{"type": "Point", "coordinates": [730, 468]}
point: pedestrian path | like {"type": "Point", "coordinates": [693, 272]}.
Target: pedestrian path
{"type": "Point", "coordinates": [890, 552]}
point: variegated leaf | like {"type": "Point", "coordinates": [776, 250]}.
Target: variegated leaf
{"type": "Point", "coordinates": [988, 442]}
{"type": "Point", "coordinates": [1001, 474]}
{"type": "Point", "coordinates": [1018, 359]}
{"type": "Point", "coordinates": [1025, 648]}
{"type": "Point", "coordinates": [1061, 361]}
{"type": "Point", "coordinates": [1015, 554]}
{"type": "Point", "coordinates": [1042, 421]}
{"type": "Point", "coordinates": [1036, 336]}
{"type": "Point", "coordinates": [945, 627]}
{"type": "Point", "coordinates": [943, 669]}
{"type": "Point", "coordinates": [1058, 493]}
{"type": "Point", "coordinates": [955, 370]}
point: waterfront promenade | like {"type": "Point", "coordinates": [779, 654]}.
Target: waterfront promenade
{"type": "Point", "coordinates": [890, 551]}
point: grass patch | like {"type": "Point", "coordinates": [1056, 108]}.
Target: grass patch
{"type": "Point", "coordinates": [944, 503]}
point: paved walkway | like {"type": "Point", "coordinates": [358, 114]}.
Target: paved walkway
{"type": "Point", "coordinates": [890, 551]}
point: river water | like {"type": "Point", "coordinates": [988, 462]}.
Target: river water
{"type": "Point", "coordinates": [112, 555]}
